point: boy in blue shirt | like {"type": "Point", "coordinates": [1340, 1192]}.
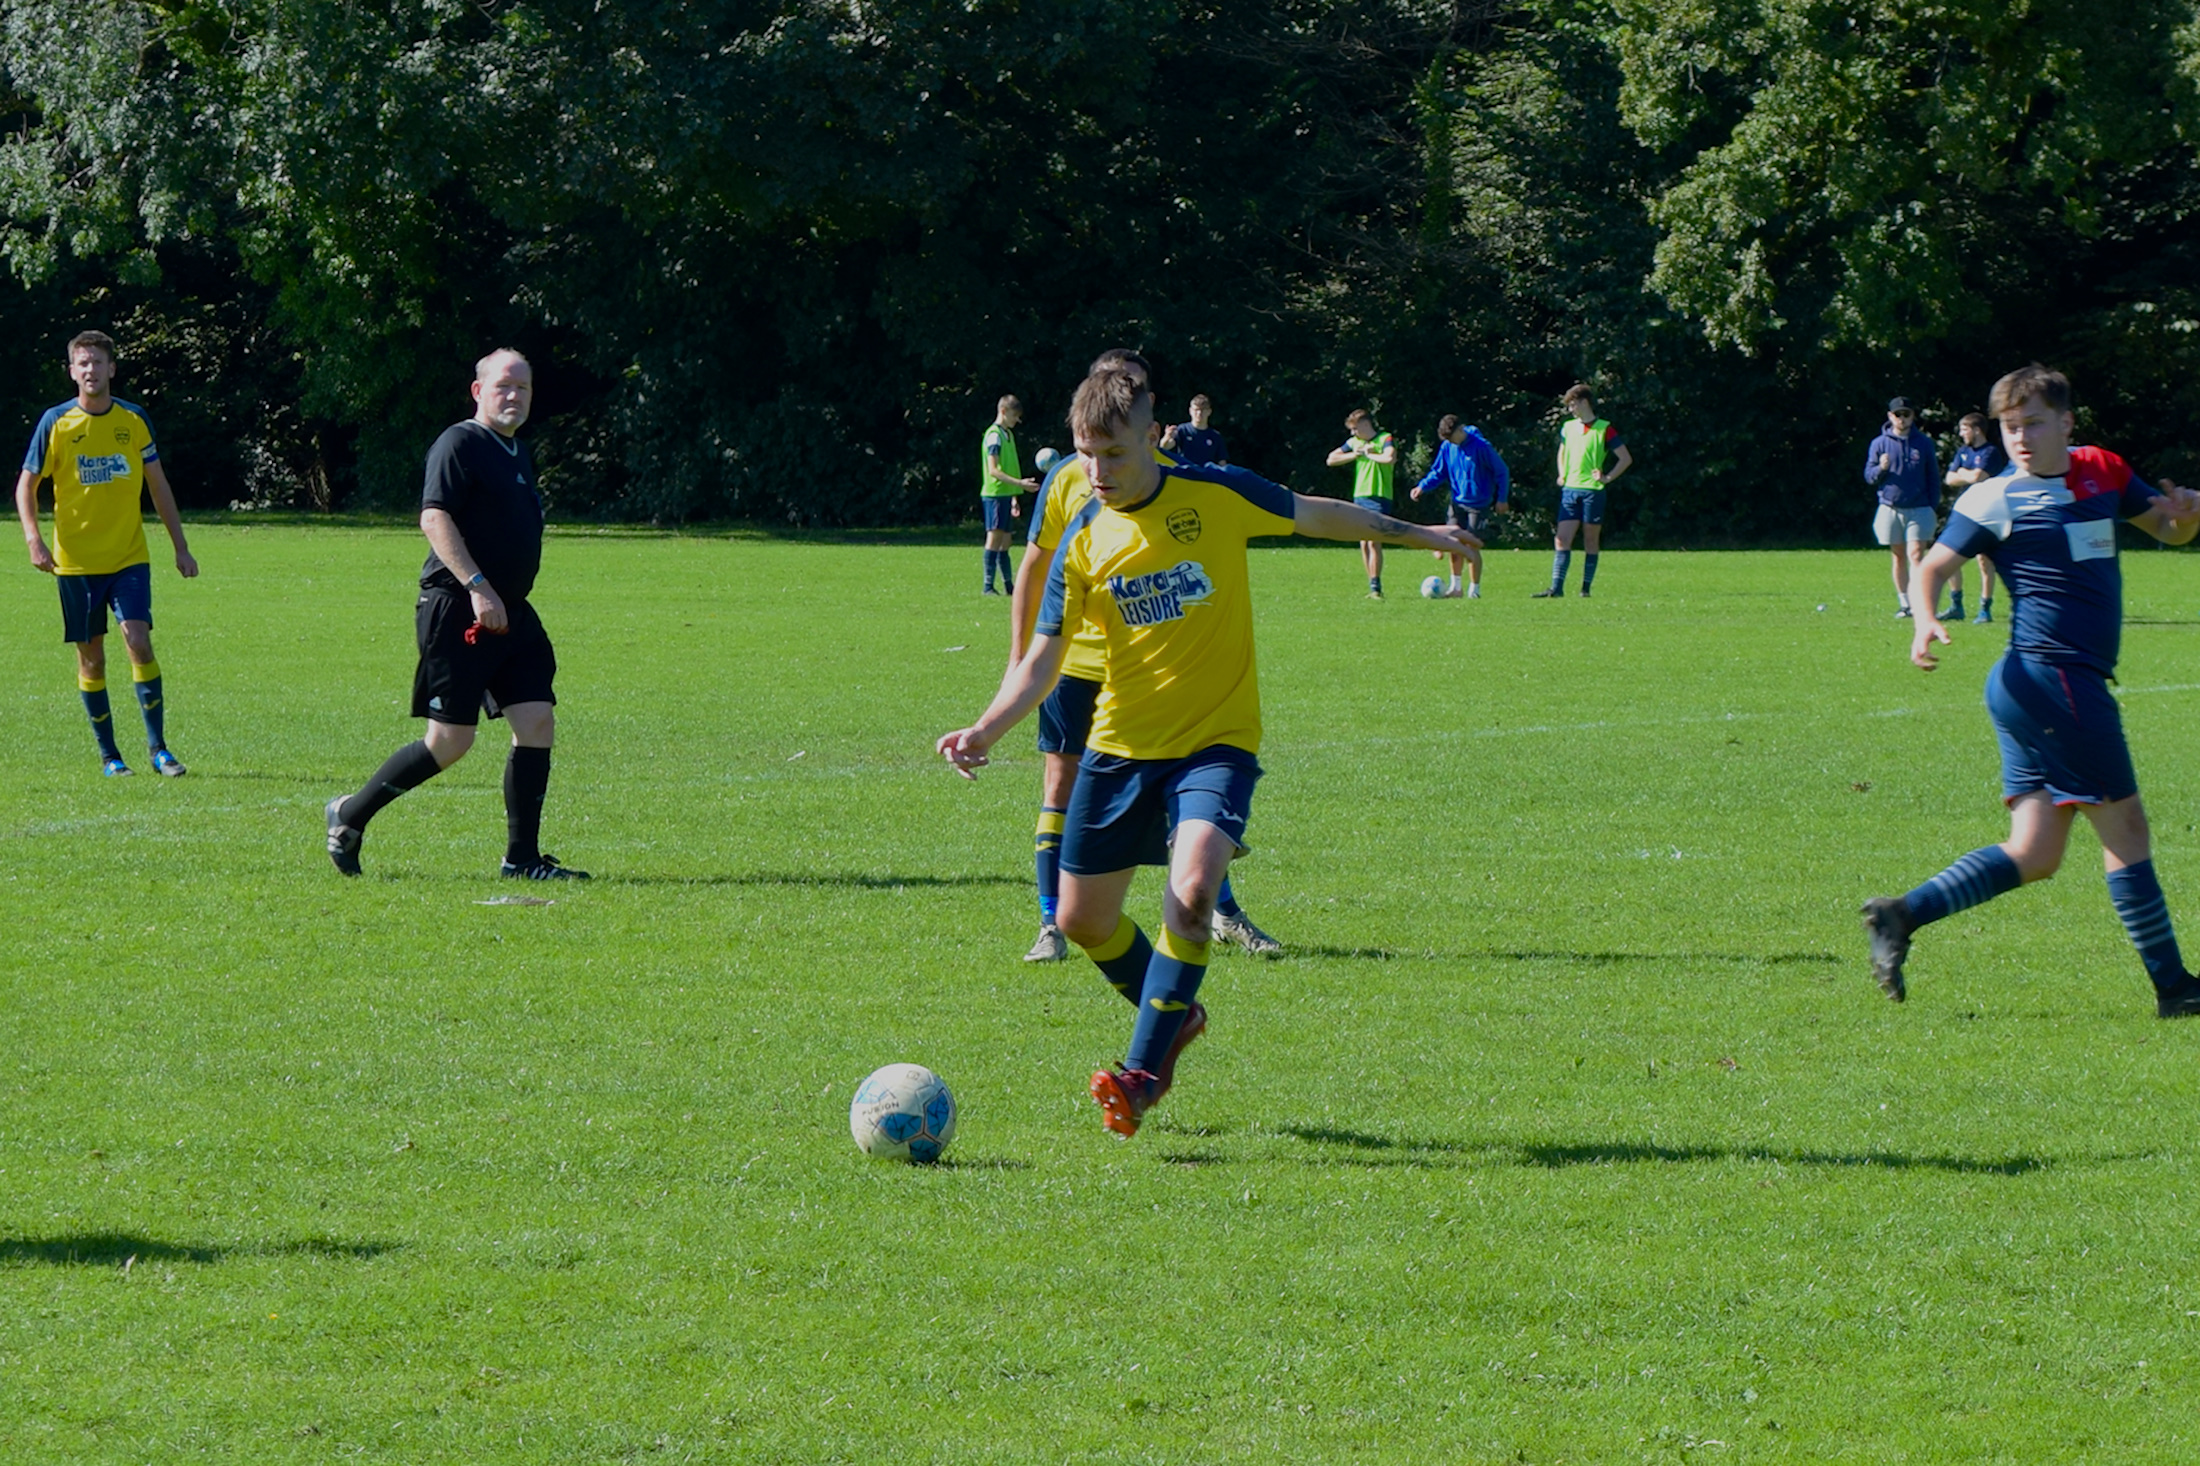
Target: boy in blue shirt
{"type": "Point", "coordinates": [1472, 469]}
{"type": "Point", "coordinates": [1977, 459]}
{"type": "Point", "coordinates": [2051, 526]}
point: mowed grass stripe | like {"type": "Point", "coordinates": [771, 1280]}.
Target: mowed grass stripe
{"type": "Point", "coordinates": [1573, 1128]}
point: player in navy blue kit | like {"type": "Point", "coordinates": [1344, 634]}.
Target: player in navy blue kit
{"type": "Point", "coordinates": [1977, 458]}
{"type": "Point", "coordinates": [2050, 524]}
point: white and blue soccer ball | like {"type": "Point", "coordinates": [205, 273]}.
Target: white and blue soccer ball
{"type": "Point", "coordinates": [1432, 588]}
{"type": "Point", "coordinates": [903, 1112]}
{"type": "Point", "coordinates": [1047, 459]}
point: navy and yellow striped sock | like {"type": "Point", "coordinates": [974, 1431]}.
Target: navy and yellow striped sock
{"type": "Point", "coordinates": [145, 678]}
{"type": "Point", "coordinates": [1172, 981]}
{"type": "Point", "coordinates": [1046, 858]}
{"type": "Point", "coordinates": [96, 707]}
{"type": "Point", "coordinates": [1123, 959]}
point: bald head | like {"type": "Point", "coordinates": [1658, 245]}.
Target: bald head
{"type": "Point", "coordinates": [504, 391]}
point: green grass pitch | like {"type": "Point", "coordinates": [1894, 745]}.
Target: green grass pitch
{"type": "Point", "coordinates": [1572, 1129]}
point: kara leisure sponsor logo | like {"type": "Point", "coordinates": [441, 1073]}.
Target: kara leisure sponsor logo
{"type": "Point", "coordinates": [1149, 600]}
{"type": "Point", "coordinates": [101, 468]}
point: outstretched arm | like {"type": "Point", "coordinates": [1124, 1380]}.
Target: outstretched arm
{"type": "Point", "coordinates": [2174, 517]}
{"type": "Point", "coordinates": [1334, 519]}
{"type": "Point", "coordinates": [1025, 686]}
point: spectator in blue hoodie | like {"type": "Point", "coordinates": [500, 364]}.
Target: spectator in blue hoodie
{"type": "Point", "coordinates": [1901, 465]}
{"type": "Point", "coordinates": [1469, 465]}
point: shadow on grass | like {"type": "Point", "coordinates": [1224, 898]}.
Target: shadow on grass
{"type": "Point", "coordinates": [844, 879]}
{"type": "Point", "coordinates": [1579, 959]}
{"type": "Point", "coordinates": [113, 1249]}
{"type": "Point", "coordinates": [1382, 1150]}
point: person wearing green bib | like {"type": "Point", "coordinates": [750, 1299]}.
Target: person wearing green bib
{"type": "Point", "coordinates": [1590, 457]}
{"type": "Point", "coordinates": [1000, 480]}
{"type": "Point", "coordinates": [1373, 457]}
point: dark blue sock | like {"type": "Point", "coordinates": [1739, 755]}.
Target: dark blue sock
{"type": "Point", "coordinates": [1561, 561]}
{"type": "Point", "coordinates": [989, 569]}
{"type": "Point", "coordinates": [146, 679]}
{"type": "Point", "coordinates": [1123, 959]}
{"type": "Point", "coordinates": [1046, 857]}
{"type": "Point", "coordinates": [102, 714]}
{"type": "Point", "coordinates": [2138, 898]}
{"type": "Point", "coordinates": [1588, 569]}
{"type": "Point", "coordinates": [1972, 881]}
{"type": "Point", "coordinates": [1172, 981]}
{"type": "Point", "coordinates": [1226, 900]}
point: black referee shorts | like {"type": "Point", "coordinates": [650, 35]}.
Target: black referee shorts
{"type": "Point", "coordinates": [457, 682]}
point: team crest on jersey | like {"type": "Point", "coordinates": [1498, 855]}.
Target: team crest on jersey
{"type": "Point", "coordinates": [1149, 600]}
{"type": "Point", "coordinates": [93, 469]}
{"type": "Point", "coordinates": [1184, 525]}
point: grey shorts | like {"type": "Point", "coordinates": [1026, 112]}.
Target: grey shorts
{"type": "Point", "coordinates": [1892, 526]}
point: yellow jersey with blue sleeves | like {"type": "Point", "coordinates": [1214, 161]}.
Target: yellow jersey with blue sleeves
{"type": "Point", "coordinates": [1166, 584]}
{"type": "Point", "coordinates": [1066, 491]}
{"type": "Point", "coordinates": [97, 464]}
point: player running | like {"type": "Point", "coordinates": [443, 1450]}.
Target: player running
{"type": "Point", "coordinates": [1065, 718]}
{"type": "Point", "coordinates": [1470, 466]}
{"type": "Point", "coordinates": [2050, 525]}
{"type": "Point", "coordinates": [99, 452]}
{"type": "Point", "coordinates": [1157, 557]}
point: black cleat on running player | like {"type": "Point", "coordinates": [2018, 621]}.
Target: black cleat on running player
{"type": "Point", "coordinates": [1887, 923]}
{"type": "Point", "coordinates": [343, 840]}
{"type": "Point", "coordinates": [2179, 1001]}
{"type": "Point", "coordinates": [541, 868]}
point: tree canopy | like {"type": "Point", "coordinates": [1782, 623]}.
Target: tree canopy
{"type": "Point", "coordinates": [776, 260]}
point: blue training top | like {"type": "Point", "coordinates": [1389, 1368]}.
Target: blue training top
{"type": "Point", "coordinates": [1913, 482]}
{"type": "Point", "coordinates": [2054, 542]}
{"type": "Point", "coordinates": [1474, 471]}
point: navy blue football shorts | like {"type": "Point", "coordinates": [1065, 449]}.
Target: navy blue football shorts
{"type": "Point", "coordinates": [1380, 506]}
{"type": "Point", "coordinates": [1065, 718]}
{"type": "Point", "coordinates": [85, 599]}
{"type": "Point", "coordinates": [1462, 516]}
{"type": "Point", "coordinates": [1585, 505]}
{"type": "Point", "coordinates": [1124, 811]}
{"type": "Point", "coordinates": [2060, 731]}
{"type": "Point", "coordinates": [999, 511]}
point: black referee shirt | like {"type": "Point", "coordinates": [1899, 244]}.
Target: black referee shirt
{"type": "Point", "coordinates": [486, 483]}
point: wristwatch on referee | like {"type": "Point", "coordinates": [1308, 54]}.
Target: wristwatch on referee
{"type": "Point", "coordinates": [479, 582]}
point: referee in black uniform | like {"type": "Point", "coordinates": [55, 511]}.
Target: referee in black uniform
{"type": "Point", "coordinates": [482, 647]}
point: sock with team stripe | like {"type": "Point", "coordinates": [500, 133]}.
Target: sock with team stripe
{"type": "Point", "coordinates": [2138, 898]}
{"type": "Point", "coordinates": [145, 677]}
{"type": "Point", "coordinates": [1972, 881]}
{"type": "Point", "coordinates": [1046, 856]}
{"type": "Point", "coordinates": [96, 707]}
{"type": "Point", "coordinates": [1561, 562]}
{"type": "Point", "coordinates": [1172, 981]}
{"type": "Point", "coordinates": [1588, 571]}
{"type": "Point", "coordinates": [1123, 959]}
{"type": "Point", "coordinates": [408, 768]}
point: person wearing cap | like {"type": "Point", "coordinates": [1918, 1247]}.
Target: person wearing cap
{"type": "Point", "coordinates": [1901, 465]}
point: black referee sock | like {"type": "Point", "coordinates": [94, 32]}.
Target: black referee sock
{"type": "Point", "coordinates": [408, 768]}
{"type": "Point", "coordinates": [526, 783]}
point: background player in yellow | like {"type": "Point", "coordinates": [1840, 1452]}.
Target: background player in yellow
{"type": "Point", "coordinates": [100, 455]}
{"type": "Point", "coordinates": [1157, 558]}
{"type": "Point", "coordinates": [1065, 718]}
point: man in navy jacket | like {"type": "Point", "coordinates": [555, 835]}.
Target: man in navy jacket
{"type": "Point", "coordinates": [1901, 465]}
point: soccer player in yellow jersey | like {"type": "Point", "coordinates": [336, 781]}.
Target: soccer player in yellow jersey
{"type": "Point", "coordinates": [1065, 718]}
{"type": "Point", "coordinates": [99, 452]}
{"type": "Point", "coordinates": [1157, 559]}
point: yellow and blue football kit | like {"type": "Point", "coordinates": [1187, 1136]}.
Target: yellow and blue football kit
{"type": "Point", "coordinates": [97, 464]}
